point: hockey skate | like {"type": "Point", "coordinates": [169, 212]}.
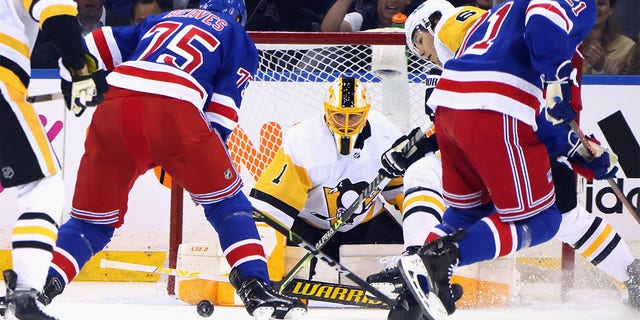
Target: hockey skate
{"type": "Point", "coordinates": [427, 275]}
{"type": "Point", "coordinates": [633, 284]}
{"type": "Point", "coordinates": [21, 303]}
{"type": "Point", "coordinates": [52, 288]}
{"type": "Point", "coordinates": [262, 301]}
{"type": "Point", "coordinates": [406, 307]}
{"type": "Point", "coordinates": [389, 280]}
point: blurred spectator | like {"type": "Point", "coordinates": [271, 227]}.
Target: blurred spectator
{"type": "Point", "coordinates": [91, 16]}
{"type": "Point", "coordinates": [143, 8]}
{"type": "Point", "coordinates": [286, 15]}
{"type": "Point", "coordinates": [632, 64]}
{"type": "Point", "coordinates": [122, 6]}
{"type": "Point", "coordinates": [605, 48]}
{"type": "Point", "coordinates": [628, 13]}
{"type": "Point", "coordinates": [412, 6]}
{"type": "Point", "coordinates": [483, 4]}
{"type": "Point", "coordinates": [338, 18]}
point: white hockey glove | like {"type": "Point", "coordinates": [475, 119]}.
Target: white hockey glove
{"type": "Point", "coordinates": [558, 95]}
{"type": "Point", "coordinates": [83, 88]}
{"type": "Point", "coordinates": [395, 161]}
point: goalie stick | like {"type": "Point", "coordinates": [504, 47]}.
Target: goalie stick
{"type": "Point", "coordinates": [300, 288]}
{"type": "Point", "coordinates": [45, 97]}
{"type": "Point", "coordinates": [293, 237]}
{"type": "Point", "coordinates": [105, 263]}
{"type": "Point", "coordinates": [583, 140]}
{"type": "Point", "coordinates": [369, 193]}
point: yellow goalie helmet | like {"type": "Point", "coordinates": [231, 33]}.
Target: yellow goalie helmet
{"type": "Point", "coordinates": [346, 106]}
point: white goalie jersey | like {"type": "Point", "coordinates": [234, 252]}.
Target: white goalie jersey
{"type": "Point", "coordinates": [309, 179]}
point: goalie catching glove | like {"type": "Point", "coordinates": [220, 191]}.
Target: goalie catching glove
{"type": "Point", "coordinates": [83, 88]}
{"type": "Point", "coordinates": [395, 161]}
{"type": "Point", "coordinates": [558, 95]}
{"type": "Point", "coordinates": [597, 163]}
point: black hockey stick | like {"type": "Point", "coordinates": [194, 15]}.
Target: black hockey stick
{"type": "Point", "coordinates": [334, 293]}
{"type": "Point", "coordinates": [299, 241]}
{"type": "Point", "coordinates": [634, 211]}
{"type": "Point", "coordinates": [366, 196]}
{"type": "Point", "coordinates": [369, 193]}
{"type": "Point", "coordinates": [301, 288]}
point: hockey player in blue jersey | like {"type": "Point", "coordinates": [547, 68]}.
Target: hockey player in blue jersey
{"type": "Point", "coordinates": [496, 175]}
{"type": "Point", "coordinates": [177, 81]}
{"type": "Point", "coordinates": [436, 30]}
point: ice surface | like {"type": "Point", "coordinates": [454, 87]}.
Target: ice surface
{"type": "Point", "coordinates": [117, 300]}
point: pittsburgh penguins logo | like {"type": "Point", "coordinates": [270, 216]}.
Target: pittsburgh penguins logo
{"type": "Point", "coordinates": [339, 198]}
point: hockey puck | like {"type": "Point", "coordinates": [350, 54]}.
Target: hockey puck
{"type": "Point", "coordinates": [205, 308]}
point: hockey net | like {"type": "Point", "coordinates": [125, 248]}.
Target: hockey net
{"type": "Point", "coordinates": [295, 70]}
{"type": "Point", "coordinates": [294, 74]}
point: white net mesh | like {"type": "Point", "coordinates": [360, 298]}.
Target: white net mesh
{"type": "Point", "coordinates": [292, 81]}
{"type": "Point", "coordinates": [290, 86]}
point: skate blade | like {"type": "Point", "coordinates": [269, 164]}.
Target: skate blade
{"type": "Point", "coordinates": [417, 280]}
{"type": "Point", "coordinates": [296, 313]}
{"type": "Point", "coordinates": [266, 313]}
{"type": "Point", "coordinates": [389, 289]}
{"type": "Point", "coordinates": [263, 313]}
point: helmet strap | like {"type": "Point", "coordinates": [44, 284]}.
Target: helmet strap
{"type": "Point", "coordinates": [345, 144]}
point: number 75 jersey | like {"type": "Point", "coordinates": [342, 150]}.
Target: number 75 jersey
{"type": "Point", "coordinates": [204, 57]}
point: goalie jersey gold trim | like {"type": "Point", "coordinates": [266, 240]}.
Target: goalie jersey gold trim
{"type": "Point", "coordinates": [308, 179]}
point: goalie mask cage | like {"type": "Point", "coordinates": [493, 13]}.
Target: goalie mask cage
{"type": "Point", "coordinates": [295, 70]}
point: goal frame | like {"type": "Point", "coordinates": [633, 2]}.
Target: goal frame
{"type": "Point", "coordinates": [384, 37]}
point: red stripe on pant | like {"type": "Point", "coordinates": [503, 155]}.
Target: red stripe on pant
{"type": "Point", "coordinates": [505, 234]}
{"type": "Point", "coordinates": [247, 250]}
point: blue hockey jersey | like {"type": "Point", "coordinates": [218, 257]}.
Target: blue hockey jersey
{"type": "Point", "coordinates": [509, 52]}
{"type": "Point", "coordinates": [200, 56]}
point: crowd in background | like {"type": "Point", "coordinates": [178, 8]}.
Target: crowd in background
{"type": "Point", "coordinates": [611, 48]}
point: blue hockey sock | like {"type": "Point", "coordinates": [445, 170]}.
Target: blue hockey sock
{"type": "Point", "coordinates": [239, 238]}
{"type": "Point", "coordinates": [491, 238]}
{"type": "Point", "coordinates": [455, 218]}
{"type": "Point", "coordinates": [77, 242]}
